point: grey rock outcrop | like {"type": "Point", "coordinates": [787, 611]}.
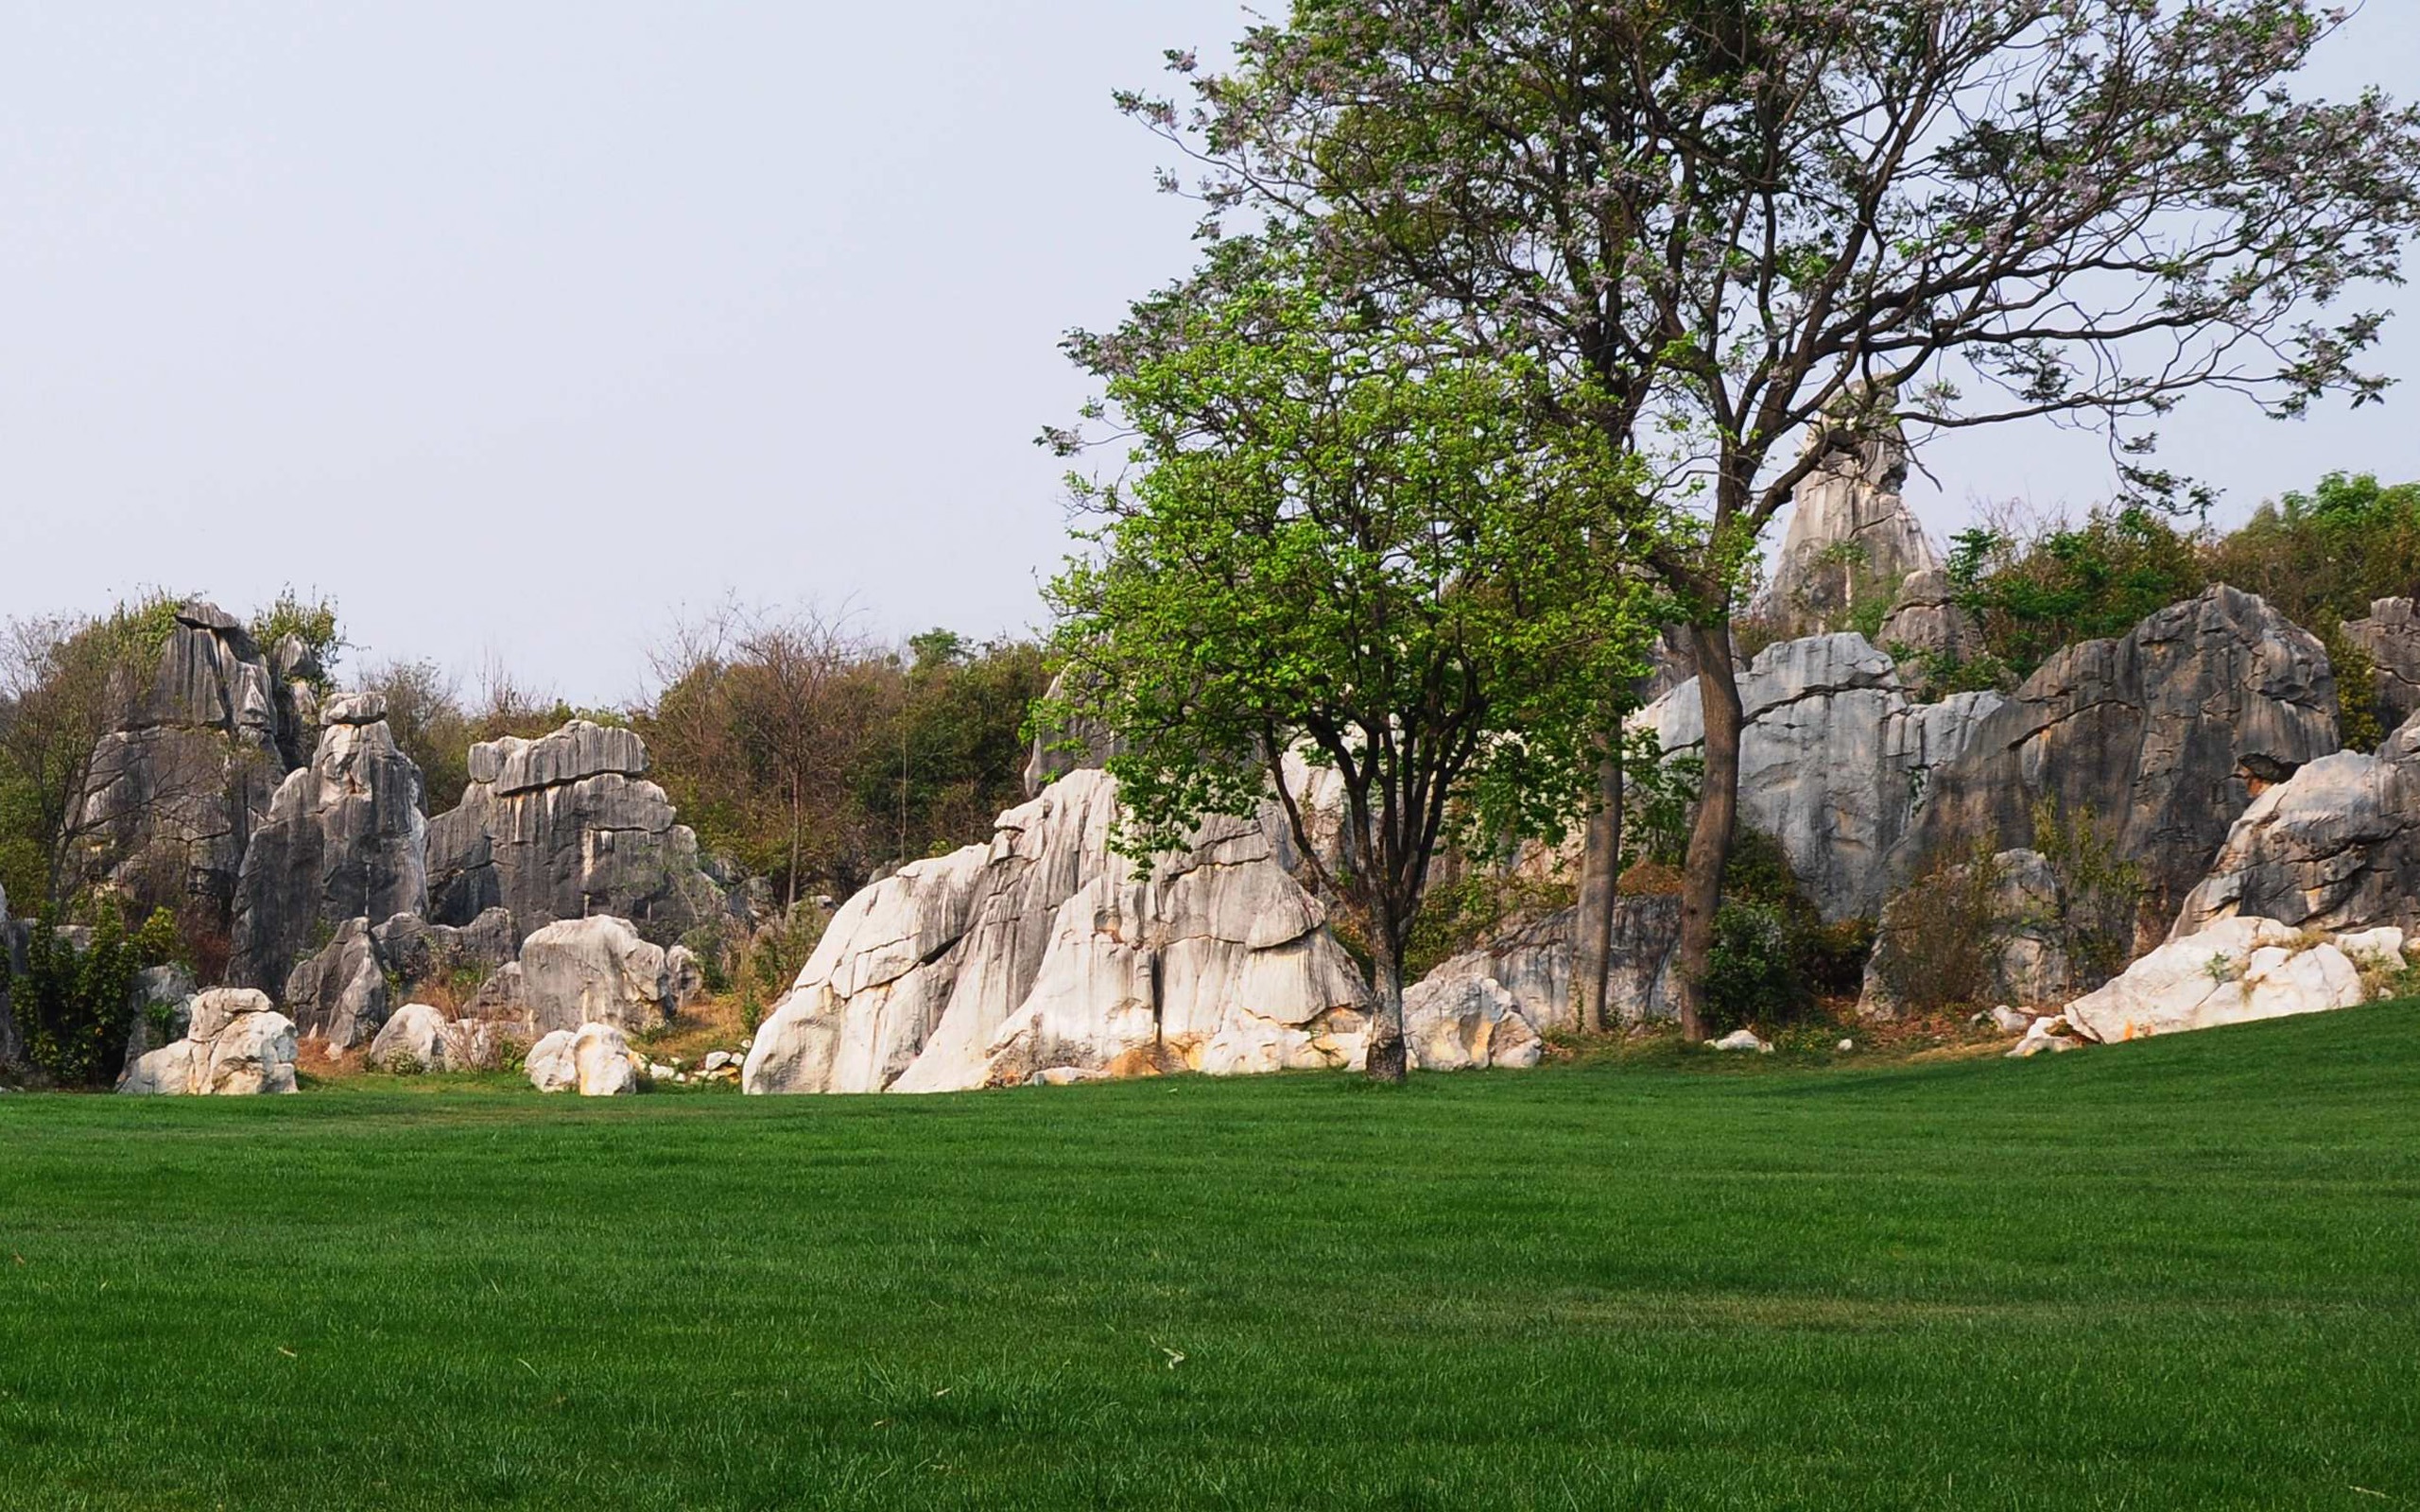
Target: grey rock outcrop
{"type": "Point", "coordinates": [1043, 952]}
{"type": "Point", "coordinates": [417, 1038]}
{"type": "Point", "coordinates": [338, 993]}
{"type": "Point", "coordinates": [594, 971]}
{"type": "Point", "coordinates": [1851, 537]}
{"type": "Point", "coordinates": [188, 774]}
{"type": "Point", "coordinates": [1531, 964]}
{"type": "Point", "coordinates": [1079, 745]}
{"type": "Point", "coordinates": [344, 839]}
{"type": "Point", "coordinates": [562, 827]}
{"type": "Point", "coordinates": [343, 992]}
{"type": "Point", "coordinates": [236, 1044]}
{"type": "Point", "coordinates": [2161, 737]}
{"type": "Point", "coordinates": [2336, 846]}
{"type": "Point", "coordinates": [1835, 760]}
{"type": "Point", "coordinates": [1466, 1024]}
{"type": "Point", "coordinates": [2391, 635]}
{"type": "Point", "coordinates": [162, 1003]}
{"type": "Point", "coordinates": [1926, 622]}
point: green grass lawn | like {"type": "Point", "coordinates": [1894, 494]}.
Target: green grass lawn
{"type": "Point", "coordinates": [2182, 1274]}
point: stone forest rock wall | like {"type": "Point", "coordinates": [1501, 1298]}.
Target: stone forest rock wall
{"type": "Point", "coordinates": [181, 785]}
{"type": "Point", "coordinates": [1043, 955]}
{"type": "Point", "coordinates": [2162, 737]}
{"type": "Point", "coordinates": [1835, 760]}
{"type": "Point", "coordinates": [562, 827]}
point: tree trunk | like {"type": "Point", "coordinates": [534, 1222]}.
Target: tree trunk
{"type": "Point", "coordinates": [1389, 1058]}
{"type": "Point", "coordinates": [791, 906]}
{"type": "Point", "coordinates": [1718, 812]}
{"type": "Point", "coordinates": [1600, 867]}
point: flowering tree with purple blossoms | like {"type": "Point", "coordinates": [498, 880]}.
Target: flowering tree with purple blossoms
{"type": "Point", "coordinates": [1715, 225]}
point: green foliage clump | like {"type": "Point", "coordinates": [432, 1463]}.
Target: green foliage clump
{"type": "Point", "coordinates": [1946, 935]}
{"type": "Point", "coordinates": [1774, 958]}
{"type": "Point", "coordinates": [76, 1009]}
{"type": "Point", "coordinates": [2329, 551]}
{"type": "Point", "coordinates": [312, 622]}
{"type": "Point", "coordinates": [2072, 584]}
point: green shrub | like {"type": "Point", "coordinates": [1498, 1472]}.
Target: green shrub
{"type": "Point", "coordinates": [2030, 598]}
{"type": "Point", "coordinates": [1473, 909]}
{"type": "Point", "coordinates": [76, 1009]}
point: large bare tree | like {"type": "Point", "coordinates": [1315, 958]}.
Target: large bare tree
{"type": "Point", "coordinates": [1720, 224]}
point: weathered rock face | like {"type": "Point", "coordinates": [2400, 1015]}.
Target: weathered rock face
{"type": "Point", "coordinates": [2160, 736]}
{"type": "Point", "coordinates": [1851, 537]}
{"type": "Point", "coordinates": [417, 1038]}
{"type": "Point", "coordinates": [1042, 952]}
{"type": "Point", "coordinates": [344, 839]}
{"type": "Point", "coordinates": [1532, 963]}
{"type": "Point", "coordinates": [562, 827]}
{"type": "Point", "coordinates": [236, 1044]}
{"type": "Point", "coordinates": [2029, 964]}
{"type": "Point", "coordinates": [2391, 637]}
{"type": "Point", "coordinates": [2337, 846]}
{"type": "Point", "coordinates": [1082, 746]}
{"type": "Point", "coordinates": [592, 971]}
{"type": "Point", "coordinates": [595, 1061]}
{"type": "Point", "coordinates": [2237, 970]}
{"type": "Point", "coordinates": [1926, 620]}
{"type": "Point", "coordinates": [340, 994]}
{"type": "Point", "coordinates": [189, 773]}
{"type": "Point", "coordinates": [1835, 760]}
{"type": "Point", "coordinates": [1467, 1023]}
{"type": "Point", "coordinates": [343, 992]}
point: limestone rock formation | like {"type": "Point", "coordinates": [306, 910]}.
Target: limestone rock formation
{"type": "Point", "coordinates": [1042, 952]}
{"type": "Point", "coordinates": [338, 993]}
{"type": "Point", "coordinates": [344, 839]}
{"type": "Point", "coordinates": [2161, 737]}
{"type": "Point", "coordinates": [1532, 963]}
{"type": "Point", "coordinates": [417, 1038]}
{"type": "Point", "coordinates": [236, 1043]}
{"type": "Point", "coordinates": [562, 827]}
{"type": "Point", "coordinates": [595, 1061]}
{"type": "Point", "coordinates": [1467, 1022]}
{"type": "Point", "coordinates": [1926, 622]}
{"type": "Point", "coordinates": [342, 992]}
{"type": "Point", "coordinates": [592, 971]}
{"type": "Point", "coordinates": [2336, 846]}
{"type": "Point", "coordinates": [1851, 537]}
{"type": "Point", "coordinates": [188, 774]}
{"type": "Point", "coordinates": [2391, 635]}
{"type": "Point", "coordinates": [419, 954]}
{"type": "Point", "coordinates": [2028, 961]}
{"type": "Point", "coordinates": [1835, 760]}
{"type": "Point", "coordinates": [2237, 970]}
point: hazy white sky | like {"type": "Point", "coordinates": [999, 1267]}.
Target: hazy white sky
{"type": "Point", "coordinates": [517, 327]}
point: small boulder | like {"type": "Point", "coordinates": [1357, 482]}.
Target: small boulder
{"type": "Point", "coordinates": [1741, 1039]}
{"type": "Point", "coordinates": [595, 1061]}
{"type": "Point", "coordinates": [415, 1038]}
{"type": "Point", "coordinates": [2043, 1035]}
{"type": "Point", "coordinates": [1461, 1024]}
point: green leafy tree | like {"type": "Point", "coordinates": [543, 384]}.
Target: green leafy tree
{"type": "Point", "coordinates": [1334, 536]}
{"type": "Point", "coordinates": [74, 1007]}
{"type": "Point", "coordinates": [1717, 226]}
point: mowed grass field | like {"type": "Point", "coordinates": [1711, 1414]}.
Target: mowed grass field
{"type": "Point", "coordinates": [2181, 1273]}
